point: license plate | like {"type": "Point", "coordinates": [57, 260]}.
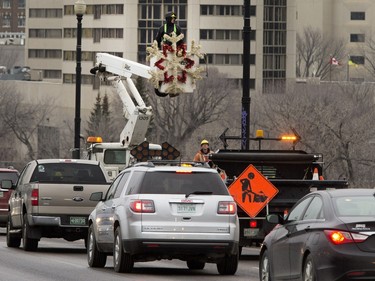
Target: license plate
{"type": "Point", "coordinates": [78, 220]}
{"type": "Point", "coordinates": [1, 193]}
{"type": "Point", "coordinates": [186, 208]}
{"type": "Point", "coordinates": [250, 232]}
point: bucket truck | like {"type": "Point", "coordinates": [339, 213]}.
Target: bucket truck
{"type": "Point", "coordinates": [173, 71]}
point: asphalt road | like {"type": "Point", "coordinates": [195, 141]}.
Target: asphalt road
{"type": "Point", "coordinates": [59, 260]}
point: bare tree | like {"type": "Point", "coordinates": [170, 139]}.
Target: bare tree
{"type": "Point", "coordinates": [314, 53]}
{"type": "Point", "coordinates": [332, 119]}
{"type": "Point", "coordinates": [21, 118]}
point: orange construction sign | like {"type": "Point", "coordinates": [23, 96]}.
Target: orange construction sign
{"type": "Point", "coordinates": [252, 191]}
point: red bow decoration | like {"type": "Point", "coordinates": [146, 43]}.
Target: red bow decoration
{"type": "Point", "coordinates": [189, 63]}
{"type": "Point", "coordinates": [182, 48]}
{"type": "Point", "coordinates": [182, 78]}
{"type": "Point", "coordinates": [158, 64]}
{"type": "Point", "coordinates": [167, 48]}
{"type": "Point", "coordinates": [167, 78]}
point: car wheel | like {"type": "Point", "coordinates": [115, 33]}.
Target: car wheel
{"type": "Point", "coordinates": [29, 244]}
{"type": "Point", "coordinates": [13, 240]}
{"type": "Point", "coordinates": [264, 267]}
{"type": "Point", "coordinates": [309, 270]}
{"type": "Point", "coordinates": [122, 262]}
{"type": "Point", "coordinates": [228, 265]}
{"type": "Point", "coordinates": [195, 264]}
{"type": "Point", "coordinates": [95, 258]}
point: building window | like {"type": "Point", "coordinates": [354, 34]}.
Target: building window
{"type": "Point", "coordinates": [21, 4]}
{"type": "Point", "coordinates": [151, 17]}
{"type": "Point", "coordinates": [357, 38]}
{"type": "Point", "coordinates": [274, 46]}
{"type": "Point", "coordinates": [45, 13]}
{"type": "Point", "coordinates": [358, 59]}
{"type": "Point", "coordinates": [52, 74]}
{"type": "Point", "coordinates": [6, 4]}
{"type": "Point", "coordinates": [357, 16]}
{"type": "Point", "coordinates": [221, 10]}
{"type": "Point", "coordinates": [21, 20]}
{"type": "Point", "coordinates": [212, 34]}
{"type": "Point", "coordinates": [6, 20]}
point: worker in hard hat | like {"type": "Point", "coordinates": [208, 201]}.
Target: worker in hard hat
{"type": "Point", "coordinates": [167, 28]}
{"type": "Point", "coordinates": [203, 153]}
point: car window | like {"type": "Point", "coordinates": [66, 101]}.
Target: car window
{"type": "Point", "coordinates": [121, 184]}
{"type": "Point", "coordinates": [315, 209]}
{"type": "Point", "coordinates": [13, 176]}
{"type": "Point", "coordinates": [112, 189]}
{"type": "Point", "coordinates": [68, 173]}
{"type": "Point", "coordinates": [298, 210]}
{"type": "Point", "coordinates": [21, 180]}
{"type": "Point", "coordinates": [355, 206]}
{"type": "Point", "coordinates": [171, 182]}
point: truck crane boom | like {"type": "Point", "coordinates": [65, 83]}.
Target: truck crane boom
{"type": "Point", "coordinates": [119, 71]}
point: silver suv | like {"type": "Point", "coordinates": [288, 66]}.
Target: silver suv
{"type": "Point", "coordinates": [165, 211]}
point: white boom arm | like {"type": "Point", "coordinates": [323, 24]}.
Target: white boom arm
{"type": "Point", "coordinates": [112, 68]}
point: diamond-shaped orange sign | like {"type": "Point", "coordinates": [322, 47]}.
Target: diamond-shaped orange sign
{"type": "Point", "coordinates": [252, 191]}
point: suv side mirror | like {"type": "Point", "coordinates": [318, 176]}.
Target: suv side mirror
{"type": "Point", "coordinates": [96, 196]}
{"type": "Point", "coordinates": [7, 184]}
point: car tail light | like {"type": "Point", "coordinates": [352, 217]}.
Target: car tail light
{"type": "Point", "coordinates": [142, 206]}
{"type": "Point", "coordinates": [253, 224]}
{"type": "Point", "coordinates": [34, 197]}
{"type": "Point", "coordinates": [342, 237]}
{"type": "Point", "coordinates": [227, 207]}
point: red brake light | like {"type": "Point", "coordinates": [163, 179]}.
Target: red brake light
{"type": "Point", "coordinates": [227, 207]}
{"type": "Point", "coordinates": [253, 224]}
{"type": "Point", "coordinates": [142, 206]}
{"type": "Point", "coordinates": [35, 197]}
{"type": "Point", "coordinates": [339, 237]}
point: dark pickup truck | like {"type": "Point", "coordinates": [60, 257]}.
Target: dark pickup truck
{"type": "Point", "coordinates": [290, 171]}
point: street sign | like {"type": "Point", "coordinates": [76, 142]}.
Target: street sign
{"type": "Point", "coordinates": [252, 191]}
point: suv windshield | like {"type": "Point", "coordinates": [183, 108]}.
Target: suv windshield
{"type": "Point", "coordinates": [68, 173]}
{"type": "Point", "coordinates": [182, 183]}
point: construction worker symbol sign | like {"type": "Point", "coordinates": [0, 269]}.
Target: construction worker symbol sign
{"type": "Point", "coordinates": [252, 191]}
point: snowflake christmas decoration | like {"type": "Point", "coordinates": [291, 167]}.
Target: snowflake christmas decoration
{"type": "Point", "coordinates": [173, 68]}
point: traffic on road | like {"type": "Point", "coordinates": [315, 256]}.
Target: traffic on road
{"type": "Point", "coordinates": [58, 260]}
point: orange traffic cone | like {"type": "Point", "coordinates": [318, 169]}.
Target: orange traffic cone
{"type": "Point", "coordinates": [315, 175]}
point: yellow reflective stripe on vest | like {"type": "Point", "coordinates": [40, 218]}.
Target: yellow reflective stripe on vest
{"type": "Point", "coordinates": [165, 30]}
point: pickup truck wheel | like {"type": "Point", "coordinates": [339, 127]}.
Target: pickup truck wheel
{"type": "Point", "coordinates": [195, 264]}
{"type": "Point", "coordinates": [95, 258]}
{"type": "Point", "coordinates": [13, 240]}
{"type": "Point", "coordinates": [122, 262]}
{"type": "Point", "coordinates": [228, 265]}
{"type": "Point", "coordinates": [29, 244]}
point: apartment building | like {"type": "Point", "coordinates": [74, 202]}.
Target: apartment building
{"type": "Point", "coordinates": [12, 22]}
{"type": "Point", "coordinates": [126, 28]}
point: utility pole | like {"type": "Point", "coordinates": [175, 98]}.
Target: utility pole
{"type": "Point", "coordinates": [245, 113]}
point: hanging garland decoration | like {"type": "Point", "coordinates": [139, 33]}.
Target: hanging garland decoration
{"type": "Point", "coordinates": [167, 78]}
{"type": "Point", "coordinates": [167, 48]}
{"type": "Point", "coordinates": [189, 63]}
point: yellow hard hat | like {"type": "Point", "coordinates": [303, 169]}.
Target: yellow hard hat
{"type": "Point", "coordinates": [204, 142]}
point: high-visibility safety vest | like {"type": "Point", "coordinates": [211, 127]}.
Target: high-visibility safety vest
{"type": "Point", "coordinates": [165, 30]}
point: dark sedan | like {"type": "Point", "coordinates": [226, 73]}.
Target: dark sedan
{"type": "Point", "coordinates": [328, 235]}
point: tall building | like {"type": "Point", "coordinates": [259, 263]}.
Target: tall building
{"type": "Point", "coordinates": [126, 28]}
{"type": "Point", "coordinates": [12, 22]}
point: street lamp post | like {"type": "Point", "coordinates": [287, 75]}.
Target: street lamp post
{"type": "Point", "coordinates": [79, 10]}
